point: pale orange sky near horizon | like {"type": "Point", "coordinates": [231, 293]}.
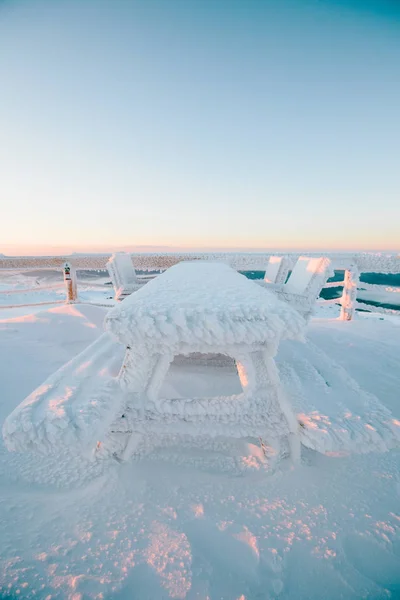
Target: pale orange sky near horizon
{"type": "Point", "coordinates": [66, 249]}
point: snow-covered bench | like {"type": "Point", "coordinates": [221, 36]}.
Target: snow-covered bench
{"type": "Point", "coordinates": [304, 285]}
{"type": "Point", "coordinates": [123, 275]}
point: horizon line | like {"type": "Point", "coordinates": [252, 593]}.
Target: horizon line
{"type": "Point", "coordinates": [148, 249]}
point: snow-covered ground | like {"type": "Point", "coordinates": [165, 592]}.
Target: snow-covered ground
{"type": "Point", "coordinates": [181, 523]}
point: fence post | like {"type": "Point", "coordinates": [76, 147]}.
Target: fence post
{"type": "Point", "coordinates": [70, 282]}
{"type": "Point", "coordinates": [349, 296]}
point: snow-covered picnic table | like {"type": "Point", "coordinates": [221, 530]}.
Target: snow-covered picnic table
{"type": "Point", "coordinates": [195, 309]}
{"type": "Point", "coordinates": [206, 305]}
{"type": "Point", "coordinates": [206, 308]}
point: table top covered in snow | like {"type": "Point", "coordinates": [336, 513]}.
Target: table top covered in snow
{"type": "Point", "coordinates": [196, 303]}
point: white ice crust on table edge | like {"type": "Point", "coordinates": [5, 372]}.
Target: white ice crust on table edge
{"type": "Point", "coordinates": [203, 301]}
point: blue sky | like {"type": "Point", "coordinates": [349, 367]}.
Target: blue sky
{"type": "Point", "coordinates": [199, 123]}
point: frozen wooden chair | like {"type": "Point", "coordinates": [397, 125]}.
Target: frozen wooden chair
{"type": "Point", "coordinates": [277, 270]}
{"type": "Point", "coordinates": [304, 285]}
{"type": "Point", "coordinates": [123, 275]}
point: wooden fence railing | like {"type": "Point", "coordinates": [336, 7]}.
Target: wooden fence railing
{"type": "Point", "coordinates": [353, 266]}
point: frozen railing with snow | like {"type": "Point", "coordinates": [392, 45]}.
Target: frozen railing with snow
{"type": "Point", "coordinates": [13, 294]}
{"type": "Point", "coordinates": [37, 294]}
{"type": "Point", "coordinates": [352, 265]}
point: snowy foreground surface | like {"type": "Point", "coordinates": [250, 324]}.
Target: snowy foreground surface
{"type": "Point", "coordinates": [183, 524]}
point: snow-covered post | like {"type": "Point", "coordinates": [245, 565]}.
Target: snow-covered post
{"type": "Point", "coordinates": [349, 296]}
{"type": "Point", "coordinates": [70, 282]}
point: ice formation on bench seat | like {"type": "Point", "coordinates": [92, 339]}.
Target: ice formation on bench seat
{"type": "Point", "coordinates": [335, 414]}
{"type": "Point", "coordinates": [72, 406]}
